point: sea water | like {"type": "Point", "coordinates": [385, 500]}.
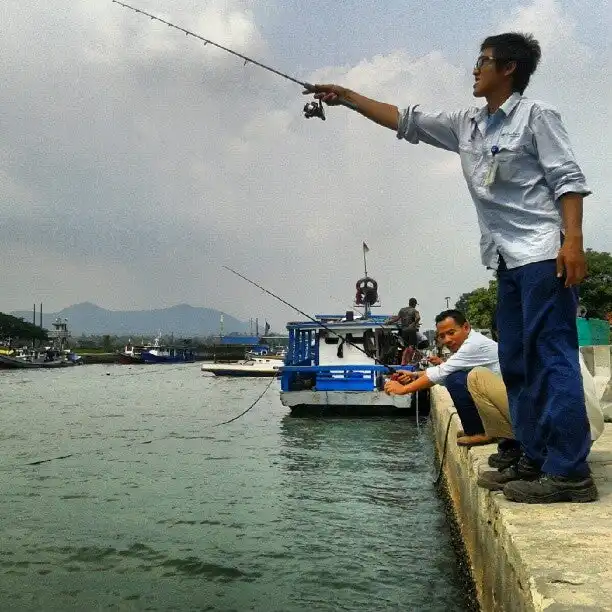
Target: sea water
{"type": "Point", "coordinates": [157, 508]}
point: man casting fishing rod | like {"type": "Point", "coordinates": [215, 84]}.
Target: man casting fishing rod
{"type": "Point", "coordinates": [528, 191]}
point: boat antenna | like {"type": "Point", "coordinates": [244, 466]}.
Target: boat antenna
{"type": "Point", "coordinates": [311, 109]}
{"type": "Point", "coordinates": [325, 327]}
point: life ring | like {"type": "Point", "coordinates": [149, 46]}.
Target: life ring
{"type": "Point", "coordinates": [367, 291]}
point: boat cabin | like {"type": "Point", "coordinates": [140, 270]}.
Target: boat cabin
{"type": "Point", "coordinates": [323, 356]}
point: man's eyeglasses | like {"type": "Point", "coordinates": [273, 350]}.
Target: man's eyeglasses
{"type": "Point", "coordinates": [482, 60]}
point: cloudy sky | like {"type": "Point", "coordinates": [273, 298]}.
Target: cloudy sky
{"type": "Point", "coordinates": [136, 162]}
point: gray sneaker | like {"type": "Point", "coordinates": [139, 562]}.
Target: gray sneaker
{"type": "Point", "coordinates": [497, 480]}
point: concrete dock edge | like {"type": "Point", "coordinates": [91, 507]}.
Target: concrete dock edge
{"type": "Point", "coordinates": [528, 557]}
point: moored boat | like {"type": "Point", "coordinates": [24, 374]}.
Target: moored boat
{"type": "Point", "coordinates": [19, 359]}
{"type": "Point", "coordinates": [32, 358]}
{"type": "Point", "coordinates": [336, 364]}
{"type": "Point", "coordinates": [156, 353]}
{"type": "Point", "coordinates": [131, 354]}
{"type": "Point", "coordinates": [56, 355]}
{"type": "Point", "coordinates": [255, 366]}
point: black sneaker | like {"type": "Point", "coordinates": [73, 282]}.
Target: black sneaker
{"type": "Point", "coordinates": [504, 458]}
{"type": "Point", "coordinates": [523, 469]}
{"type": "Point", "coordinates": [550, 489]}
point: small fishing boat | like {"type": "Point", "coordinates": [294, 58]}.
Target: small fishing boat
{"type": "Point", "coordinates": [57, 355]}
{"type": "Point", "coordinates": [254, 366]}
{"type": "Point", "coordinates": [157, 352]}
{"type": "Point", "coordinates": [19, 359]}
{"type": "Point", "coordinates": [31, 358]}
{"type": "Point", "coordinates": [336, 364]}
{"type": "Point", "coordinates": [131, 353]}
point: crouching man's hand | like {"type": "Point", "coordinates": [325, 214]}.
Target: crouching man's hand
{"type": "Point", "coordinates": [405, 377]}
{"type": "Point", "coordinates": [393, 387]}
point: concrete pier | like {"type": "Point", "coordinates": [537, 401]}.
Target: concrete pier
{"type": "Point", "coordinates": [524, 557]}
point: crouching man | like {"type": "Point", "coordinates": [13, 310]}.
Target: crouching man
{"type": "Point", "coordinates": [470, 349]}
{"type": "Point", "coordinates": [516, 475]}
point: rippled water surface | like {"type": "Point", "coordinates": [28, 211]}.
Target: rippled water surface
{"type": "Point", "coordinates": [156, 509]}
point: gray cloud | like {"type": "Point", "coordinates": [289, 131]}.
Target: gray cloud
{"type": "Point", "coordinates": [135, 163]}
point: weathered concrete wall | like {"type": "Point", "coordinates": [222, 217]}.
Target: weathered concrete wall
{"type": "Point", "coordinates": [528, 558]}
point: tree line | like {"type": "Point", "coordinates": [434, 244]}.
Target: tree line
{"type": "Point", "coordinates": [595, 294]}
{"type": "Point", "coordinates": [15, 329]}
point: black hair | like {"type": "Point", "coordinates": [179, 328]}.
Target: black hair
{"type": "Point", "coordinates": [456, 315]}
{"type": "Point", "coordinates": [523, 49]}
{"type": "Point", "coordinates": [412, 302]}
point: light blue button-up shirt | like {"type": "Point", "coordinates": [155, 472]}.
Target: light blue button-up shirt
{"type": "Point", "coordinates": [519, 213]}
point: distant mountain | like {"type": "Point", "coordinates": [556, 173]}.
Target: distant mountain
{"type": "Point", "coordinates": [182, 320]}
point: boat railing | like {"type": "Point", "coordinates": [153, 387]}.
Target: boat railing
{"type": "Point", "coordinates": [362, 377]}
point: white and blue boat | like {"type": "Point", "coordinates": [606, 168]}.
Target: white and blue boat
{"type": "Point", "coordinates": [160, 353]}
{"type": "Point", "coordinates": [336, 364]}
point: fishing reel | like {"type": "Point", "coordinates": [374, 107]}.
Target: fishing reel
{"type": "Point", "coordinates": [314, 109]}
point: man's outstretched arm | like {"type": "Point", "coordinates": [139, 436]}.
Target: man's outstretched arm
{"type": "Point", "coordinates": [439, 129]}
{"type": "Point", "coordinates": [379, 112]}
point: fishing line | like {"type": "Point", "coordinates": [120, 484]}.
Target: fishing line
{"type": "Point", "coordinates": [325, 327]}
{"type": "Point", "coordinates": [168, 437]}
{"type": "Point", "coordinates": [275, 377]}
{"type": "Point", "coordinates": [311, 109]}
{"type": "Point", "coordinates": [450, 419]}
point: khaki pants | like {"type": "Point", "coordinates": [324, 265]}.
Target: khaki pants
{"type": "Point", "coordinates": [489, 394]}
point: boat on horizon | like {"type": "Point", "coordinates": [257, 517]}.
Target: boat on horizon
{"type": "Point", "coordinates": [157, 352]}
{"type": "Point", "coordinates": [55, 355]}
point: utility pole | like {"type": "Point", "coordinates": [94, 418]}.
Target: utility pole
{"type": "Point", "coordinates": [447, 300]}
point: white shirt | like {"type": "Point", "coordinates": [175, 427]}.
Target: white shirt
{"type": "Point", "coordinates": [477, 350]}
{"type": "Point", "coordinates": [525, 140]}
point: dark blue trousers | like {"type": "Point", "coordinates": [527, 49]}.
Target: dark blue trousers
{"type": "Point", "coordinates": [456, 385]}
{"type": "Point", "coordinates": [538, 354]}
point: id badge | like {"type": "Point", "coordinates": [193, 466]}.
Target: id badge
{"type": "Point", "coordinates": [491, 173]}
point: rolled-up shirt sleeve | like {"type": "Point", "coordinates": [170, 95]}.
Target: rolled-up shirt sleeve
{"type": "Point", "coordinates": [437, 374]}
{"type": "Point", "coordinates": [439, 129]}
{"type": "Point", "coordinates": [472, 354]}
{"type": "Point", "coordinates": [555, 154]}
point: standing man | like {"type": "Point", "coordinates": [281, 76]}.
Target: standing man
{"type": "Point", "coordinates": [409, 320]}
{"type": "Point", "coordinates": [528, 191]}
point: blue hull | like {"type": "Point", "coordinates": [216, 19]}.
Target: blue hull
{"type": "Point", "coordinates": [244, 373]}
{"type": "Point", "coordinates": [148, 358]}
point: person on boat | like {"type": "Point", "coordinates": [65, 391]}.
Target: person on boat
{"type": "Point", "coordinates": [470, 349]}
{"type": "Point", "coordinates": [528, 191]}
{"type": "Point", "coordinates": [409, 320]}
{"type": "Point", "coordinates": [490, 396]}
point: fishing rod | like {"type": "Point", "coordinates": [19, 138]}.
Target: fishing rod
{"type": "Point", "coordinates": [325, 327]}
{"type": "Point", "coordinates": [311, 109]}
